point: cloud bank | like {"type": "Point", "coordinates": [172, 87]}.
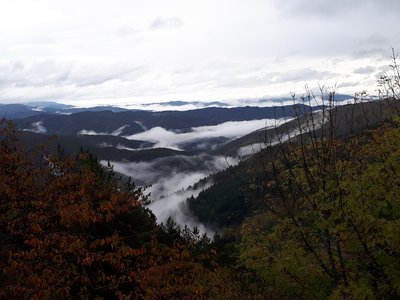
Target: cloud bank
{"type": "Point", "coordinates": [97, 52]}
{"type": "Point", "coordinates": [165, 138]}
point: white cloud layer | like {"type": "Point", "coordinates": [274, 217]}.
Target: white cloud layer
{"type": "Point", "coordinates": [129, 51]}
{"type": "Point", "coordinates": [166, 138]}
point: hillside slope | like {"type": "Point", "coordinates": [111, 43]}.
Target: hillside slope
{"type": "Point", "coordinates": [131, 122]}
{"type": "Point", "coordinates": [229, 200]}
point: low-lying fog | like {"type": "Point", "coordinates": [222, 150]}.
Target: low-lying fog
{"type": "Point", "coordinates": [260, 102]}
{"type": "Point", "coordinates": [172, 180]}
{"type": "Point", "coordinates": [170, 139]}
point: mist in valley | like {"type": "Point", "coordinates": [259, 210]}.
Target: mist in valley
{"type": "Point", "coordinates": [170, 181]}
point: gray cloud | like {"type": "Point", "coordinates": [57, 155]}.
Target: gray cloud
{"type": "Point", "coordinates": [50, 72]}
{"type": "Point", "coordinates": [347, 84]}
{"type": "Point", "coordinates": [371, 52]}
{"type": "Point", "coordinates": [290, 76]}
{"type": "Point", "coordinates": [364, 70]}
{"type": "Point", "coordinates": [160, 23]}
{"type": "Point", "coordinates": [373, 39]}
{"type": "Point", "coordinates": [303, 75]}
{"type": "Point", "coordinates": [317, 7]}
{"type": "Point", "coordinates": [331, 8]}
{"type": "Point", "coordinates": [240, 50]}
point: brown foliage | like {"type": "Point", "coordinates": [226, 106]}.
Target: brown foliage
{"type": "Point", "coordinates": [69, 229]}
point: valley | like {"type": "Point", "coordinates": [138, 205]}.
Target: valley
{"type": "Point", "coordinates": [230, 184]}
{"type": "Point", "coordinates": [200, 150]}
{"type": "Point", "coordinates": [167, 151]}
{"type": "Point", "coordinates": [193, 163]}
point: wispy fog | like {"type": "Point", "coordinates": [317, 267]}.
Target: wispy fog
{"type": "Point", "coordinates": [37, 127]}
{"type": "Point", "coordinates": [171, 180]}
{"type": "Point", "coordinates": [171, 106]}
{"type": "Point", "coordinates": [169, 194]}
{"type": "Point", "coordinates": [116, 132]}
{"type": "Point", "coordinates": [170, 139]}
{"type": "Point", "coordinates": [228, 103]}
{"type": "Point", "coordinates": [315, 123]}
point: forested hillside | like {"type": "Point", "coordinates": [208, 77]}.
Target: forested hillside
{"type": "Point", "coordinates": [315, 215]}
{"type": "Point", "coordinates": [219, 204]}
{"type": "Point", "coordinates": [71, 229]}
{"type": "Point", "coordinates": [325, 204]}
{"type": "Point", "coordinates": [330, 224]}
{"type": "Point", "coordinates": [327, 227]}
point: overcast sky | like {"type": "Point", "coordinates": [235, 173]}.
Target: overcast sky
{"type": "Point", "coordinates": [127, 51]}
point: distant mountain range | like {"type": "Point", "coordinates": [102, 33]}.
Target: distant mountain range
{"type": "Point", "coordinates": [17, 111]}
{"type": "Point", "coordinates": [129, 122]}
{"type": "Point", "coordinates": [110, 133]}
{"type": "Point", "coordinates": [107, 130]}
{"type": "Point", "coordinates": [230, 200]}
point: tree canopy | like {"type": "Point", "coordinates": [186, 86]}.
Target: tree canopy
{"type": "Point", "coordinates": [70, 229]}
